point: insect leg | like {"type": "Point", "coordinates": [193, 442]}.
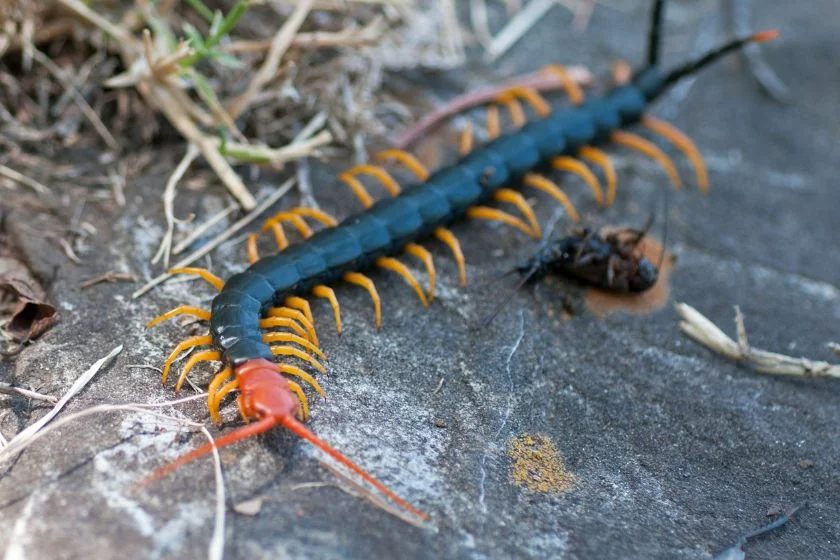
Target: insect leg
{"type": "Point", "coordinates": [547, 186]}
{"type": "Point", "coordinates": [602, 159]}
{"type": "Point", "coordinates": [301, 305]}
{"type": "Point", "coordinates": [211, 278]}
{"type": "Point", "coordinates": [297, 372]}
{"type": "Point", "coordinates": [449, 239]}
{"type": "Point", "coordinates": [202, 314]}
{"type": "Point", "coordinates": [494, 127]}
{"type": "Point", "coordinates": [384, 177]}
{"type": "Point", "coordinates": [513, 197]}
{"type": "Point", "coordinates": [298, 353]}
{"type": "Point", "coordinates": [405, 158]}
{"type": "Point", "coordinates": [358, 189]}
{"type": "Point", "coordinates": [212, 393]}
{"type": "Point", "coordinates": [531, 96]}
{"type": "Point", "coordinates": [390, 263]}
{"type": "Point", "coordinates": [295, 339]}
{"type": "Point", "coordinates": [297, 316]}
{"type": "Point", "coordinates": [572, 89]}
{"type": "Point", "coordinates": [328, 293]}
{"type": "Point", "coordinates": [316, 214]}
{"type": "Point", "coordinates": [183, 345]}
{"type": "Point", "coordinates": [304, 403]}
{"type": "Point", "coordinates": [466, 140]}
{"type": "Point", "coordinates": [286, 322]}
{"type": "Point", "coordinates": [684, 144]}
{"type": "Point", "coordinates": [366, 283]}
{"type": "Point", "coordinates": [204, 356]}
{"type": "Point", "coordinates": [571, 165]}
{"type": "Point", "coordinates": [421, 253]}
{"type": "Point", "coordinates": [636, 142]}
{"type": "Point", "coordinates": [487, 213]}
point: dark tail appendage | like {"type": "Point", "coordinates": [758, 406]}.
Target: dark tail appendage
{"type": "Point", "coordinates": [652, 82]}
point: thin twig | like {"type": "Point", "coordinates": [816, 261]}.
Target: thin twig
{"type": "Point", "coordinates": [224, 236]}
{"type": "Point", "coordinates": [697, 326]}
{"type": "Point", "coordinates": [169, 202]}
{"type": "Point", "coordinates": [18, 177]}
{"type": "Point", "coordinates": [518, 26]}
{"type": "Point", "coordinates": [279, 45]}
{"type": "Point", "coordinates": [199, 231]}
{"type": "Point", "coordinates": [9, 389]}
{"type": "Point", "coordinates": [109, 277]}
{"type": "Point", "coordinates": [28, 433]}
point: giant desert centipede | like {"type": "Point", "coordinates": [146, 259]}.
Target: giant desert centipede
{"type": "Point", "coordinates": [269, 294]}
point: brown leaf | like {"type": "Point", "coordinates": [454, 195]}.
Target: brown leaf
{"type": "Point", "coordinates": [32, 315]}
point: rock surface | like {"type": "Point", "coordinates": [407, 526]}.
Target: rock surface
{"type": "Point", "coordinates": [674, 451]}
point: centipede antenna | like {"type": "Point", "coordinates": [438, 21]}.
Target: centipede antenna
{"type": "Point", "coordinates": [242, 433]}
{"type": "Point", "coordinates": [302, 432]}
{"type": "Point", "coordinates": [693, 66]}
{"type": "Point", "coordinates": [655, 34]}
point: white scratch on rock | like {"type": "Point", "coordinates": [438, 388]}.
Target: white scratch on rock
{"type": "Point", "coordinates": [505, 416]}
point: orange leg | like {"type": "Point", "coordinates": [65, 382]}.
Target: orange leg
{"type": "Point", "coordinates": [602, 159]}
{"type": "Point", "coordinates": [531, 96]}
{"type": "Point", "coordinates": [301, 305]}
{"type": "Point", "coordinates": [202, 314]}
{"type": "Point", "coordinates": [211, 278]}
{"type": "Point", "coordinates": [328, 293]}
{"type": "Point", "coordinates": [296, 220]}
{"type": "Point", "coordinates": [227, 388]}
{"type": "Point", "coordinates": [466, 140]}
{"type": "Point", "coordinates": [407, 159]}
{"type": "Point", "coordinates": [513, 197]}
{"type": "Point", "coordinates": [517, 113]}
{"type": "Point", "coordinates": [494, 127]}
{"type": "Point", "coordinates": [294, 314]}
{"type": "Point", "coordinates": [384, 177]}
{"type": "Point", "coordinates": [285, 322]}
{"type": "Point", "coordinates": [271, 337]}
{"type": "Point", "coordinates": [684, 144]}
{"type": "Point", "coordinates": [421, 253]}
{"type": "Point", "coordinates": [182, 346]}
{"type": "Point", "coordinates": [358, 189]}
{"type": "Point", "coordinates": [304, 403]}
{"type": "Point", "coordinates": [571, 165]}
{"type": "Point", "coordinates": [204, 356]}
{"type": "Point", "coordinates": [547, 186]}
{"type": "Point", "coordinates": [636, 142]}
{"type": "Point", "coordinates": [316, 214]}
{"type": "Point", "coordinates": [297, 372]}
{"type": "Point", "coordinates": [398, 267]}
{"type": "Point", "coordinates": [366, 283]}
{"type": "Point", "coordinates": [298, 353]}
{"type": "Point", "coordinates": [449, 239]}
{"type": "Point", "coordinates": [572, 89]}
{"type": "Point", "coordinates": [494, 214]}
{"type": "Point", "coordinates": [212, 393]}
{"type": "Point", "coordinates": [253, 251]}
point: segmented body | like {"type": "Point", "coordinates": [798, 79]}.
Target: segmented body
{"type": "Point", "coordinates": [386, 227]}
{"type": "Point", "coordinates": [269, 294]}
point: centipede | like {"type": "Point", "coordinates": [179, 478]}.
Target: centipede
{"type": "Point", "coordinates": [261, 327]}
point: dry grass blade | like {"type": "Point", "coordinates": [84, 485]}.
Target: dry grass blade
{"type": "Point", "coordinates": [697, 326]}
{"type": "Point", "coordinates": [18, 177]}
{"type": "Point", "coordinates": [268, 70]}
{"type": "Point", "coordinates": [9, 389]}
{"type": "Point", "coordinates": [224, 236]}
{"type": "Point", "coordinates": [517, 27]}
{"type": "Point", "coordinates": [169, 201]}
{"type": "Point", "coordinates": [202, 229]}
{"type": "Point", "coordinates": [21, 439]}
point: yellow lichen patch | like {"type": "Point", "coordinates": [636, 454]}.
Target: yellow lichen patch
{"type": "Point", "coordinates": [538, 466]}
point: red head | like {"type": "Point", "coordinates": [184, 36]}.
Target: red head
{"type": "Point", "coordinates": [263, 391]}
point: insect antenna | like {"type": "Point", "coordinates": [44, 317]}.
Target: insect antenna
{"type": "Point", "coordinates": [296, 428]}
{"type": "Point", "coordinates": [535, 268]}
{"type": "Point", "coordinates": [302, 432]}
{"type": "Point", "coordinates": [693, 66]}
{"type": "Point", "coordinates": [655, 33]}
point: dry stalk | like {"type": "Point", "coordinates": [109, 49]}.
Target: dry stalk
{"type": "Point", "coordinates": [697, 326]}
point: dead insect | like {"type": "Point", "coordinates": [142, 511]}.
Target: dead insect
{"type": "Point", "coordinates": [612, 262]}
